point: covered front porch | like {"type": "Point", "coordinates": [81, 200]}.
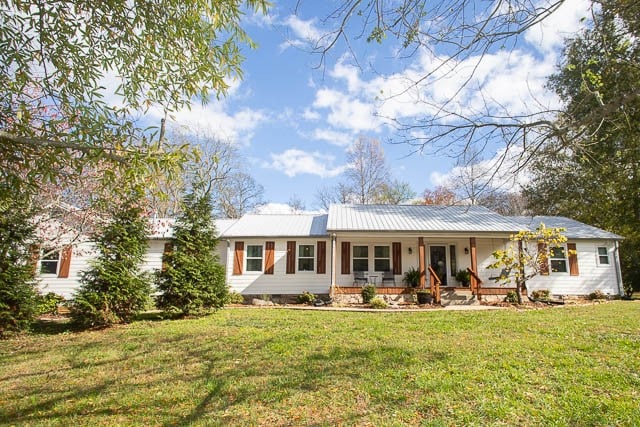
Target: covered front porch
{"type": "Point", "coordinates": [437, 260]}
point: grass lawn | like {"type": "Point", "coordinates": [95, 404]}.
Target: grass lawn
{"type": "Point", "coordinates": [562, 366]}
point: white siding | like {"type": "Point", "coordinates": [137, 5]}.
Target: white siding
{"type": "Point", "coordinates": [279, 283]}
{"type": "Point", "coordinates": [592, 275]}
{"type": "Point", "coordinates": [80, 257]}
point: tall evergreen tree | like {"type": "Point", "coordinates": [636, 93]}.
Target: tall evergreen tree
{"type": "Point", "coordinates": [193, 280]}
{"type": "Point", "coordinates": [115, 288]}
{"type": "Point", "coordinates": [593, 174]}
{"type": "Point", "coordinates": [17, 272]}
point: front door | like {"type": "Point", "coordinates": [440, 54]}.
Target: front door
{"type": "Point", "coordinates": [438, 261]}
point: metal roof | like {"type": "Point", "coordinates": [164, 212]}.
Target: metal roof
{"type": "Point", "coordinates": [162, 228]}
{"type": "Point", "coordinates": [575, 229]}
{"type": "Point", "coordinates": [278, 225]}
{"type": "Point", "coordinates": [418, 218]}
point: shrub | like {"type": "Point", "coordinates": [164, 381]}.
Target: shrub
{"type": "Point", "coordinates": [464, 277]}
{"type": "Point", "coordinates": [378, 303]}
{"type": "Point", "coordinates": [48, 303]}
{"type": "Point", "coordinates": [368, 293]}
{"type": "Point", "coordinates": [541, 294]}
{"type": "Point", "coordinates": [512, 297]}
{"type": "Point", "coordinates": [234, 297]}
{"type": "Point", "coordinates": [597, 294]}
{"type": "Point", "coordinates": [628, 289]}
{"type": "Point", "coordinates": [306, 298]}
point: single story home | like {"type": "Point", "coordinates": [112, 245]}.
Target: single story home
{"type": "Point", "coordinates": [351, 245]}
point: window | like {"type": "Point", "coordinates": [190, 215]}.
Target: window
{"type": "Point", "coordinates": [305, 257]}
{"type": "Point", "coordinates": [254, 257]}
{"type": "Point", "coordinates": [49, 262]}
{"type": "Point", "coordinates": [452, 260]}
{"type": "Point", "coordinates": [360, 258]}
{"type": "Point", "coordinates": [558, 259]}
{"type": "Point", "coordinates": [381, 256]}
{"type": "Point", "coordinates": [603, 256]}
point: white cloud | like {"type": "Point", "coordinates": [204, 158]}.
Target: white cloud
{"type": "Point", "coordinates": [346, 111]}
{"type": "Point", "coordinates": [304, 32]}
{"type": "Point", "coordinates": [333, 137]}
{"type": "Point", "coordinates": [548, 36]}
{"type": "Point", "coordinates": [294, 162]}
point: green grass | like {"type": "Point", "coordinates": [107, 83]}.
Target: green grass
{"type": "Point", "coordinates": [561, 366]}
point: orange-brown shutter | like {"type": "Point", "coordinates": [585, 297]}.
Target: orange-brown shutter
{"type": "Point", "coordinates": [396, 249]}
{"type": "Point", "coordinates": [543, 259]}
{"type": "Point", "coordinates": [346, 258]}
{"type": "Point", "coordinates": [573, 259]}
{"type": "Point", "coordinates": [65, 262]}
{"type": "Point", "coordinates": [321, 268]}
{"type": "Point", "coordinates": [34, 250]}
{"type": "Point", "coordinates": [269, 257]}
{"type": "Point", "coordinates": [168, 248]}
{"type": "Point", "coordinates": [291, 257]}
{"type": "Point", "coordinates": [238, 258]}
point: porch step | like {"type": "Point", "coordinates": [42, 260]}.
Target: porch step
{"type": "Point", "coordinates": [458, 297]}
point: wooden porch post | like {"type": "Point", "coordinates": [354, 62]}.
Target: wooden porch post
{"type": "Point", "coordinates": [421, 263]}
{"type": "Point", "coordinates": [333, 265]}
{"type": "Point", "coordinates": [474, 265]}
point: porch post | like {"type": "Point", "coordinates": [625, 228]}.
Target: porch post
{"type": "Point", "coordinates": [421, 263]}
{"type": "Point", "coordinates": [333, 265]}
{"type": "Point", "coordinates": [474, 264]}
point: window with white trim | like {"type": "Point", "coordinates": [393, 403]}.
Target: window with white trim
{"type": "Point", "coordinates": [254, 258]}
{"type": "Point", "coordinates": [49, 262]}
{"type": "Point", "coordinates": [603, 255]}
{"type": "Point", "coordinates": [558, 258]}
{"type": "Point", "coordinates": [381, 258]}
{"type": "Point", "coordinates": [306, 257]}
{"type": "Point", "coordinates": [360, 258]}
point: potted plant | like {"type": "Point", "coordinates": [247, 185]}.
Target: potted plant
{"type": "Point", "coordinates": [424, 296]}
{"type": "Point", "coordinates": [412, 277]}
{"type": "Point", "coordinates": [463, 277]}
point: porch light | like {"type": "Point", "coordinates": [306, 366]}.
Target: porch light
{"type": "Point", "coordinates": [410, 250]}
{"type": "Point", "coordinates": [466, 251]}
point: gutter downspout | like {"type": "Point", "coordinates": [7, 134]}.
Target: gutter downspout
{"type": "Point", "coordinates": [616, 255]}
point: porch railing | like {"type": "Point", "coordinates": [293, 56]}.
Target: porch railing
{"type": "Point", "coordinates": [476, 283]}
{"type": "Point", "coordinates": [434, 284]}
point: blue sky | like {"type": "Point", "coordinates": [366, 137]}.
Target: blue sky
{"type": "Point", "coordinates": [293, 122]}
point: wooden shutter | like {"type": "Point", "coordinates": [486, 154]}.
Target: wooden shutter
{"type": "Point", "coordinates": [346, 258]}
{"type": "Point", "coordinates": [321, 249]}
{"type": "Point", "coordinates": [396, 249]}
{"type": "Point", "coordinates": [543, 259]}
{"type": "Point", "coordinates": [269, 257]}
{"type": "Point", "coordinates": [291, 257]}
{"type": "Point", "coordinates": [65, 262]}
{"type": "Point", "coordinates": [238, 258]}
{"type": "Point", "coordinates": [168, 248]}
{"type": "Point", "coordinates": [573, 259]}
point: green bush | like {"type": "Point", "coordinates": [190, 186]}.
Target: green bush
{"type": "Point", "coordinates": [628, 289]}
{"type": "Point", "coordinates": [48, 303]}
{"type": "Point", "coordinates": [378, 303]}
{"type": "Point", "coordinates": [464, 277]}
{"type": "Point", "coordinates": [368, 293]}
{"type": "Point", "coordinates": [306, 298]}
{"type": "Point", "coordinates": [234, 297]}
{"type": "Point", "coordinates": [597, 294]}
{"type": "Point", "coordinates": [541, 294]}
{"type": "Point", "coordinates": [511, 297]}
{"type": "Point", "coordinates": [412, 277]}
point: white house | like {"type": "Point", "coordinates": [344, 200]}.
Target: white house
{"type": "Point", "coordinates": [336, 253]}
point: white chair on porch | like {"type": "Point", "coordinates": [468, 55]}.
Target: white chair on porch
{"type": "Point", "coordinates": [387, 277]}
{"type": "Point", "coordinates": [360, 278]}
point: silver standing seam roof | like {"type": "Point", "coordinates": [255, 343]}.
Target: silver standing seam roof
{"type": "Point", "coordinates": [575, 229]}
{"type": "Point", "coordinates": [419, 218]}
{"type": "Point", "coordinates": [278, 225]}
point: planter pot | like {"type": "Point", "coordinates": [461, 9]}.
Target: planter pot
{"type": "Point", "coordinates": [424, 298]}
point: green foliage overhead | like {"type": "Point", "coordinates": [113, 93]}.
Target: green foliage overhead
{"type": "Point", "coordinates": [58, 56]}
{"type": "Point", "coordinates": [596, 179]}
{"type": "Point", "coordinates": [17, 273]}
{"type": "Point", "coordinates": [193, 280]}
{"type": "Point", "coordinates": [115, 288]}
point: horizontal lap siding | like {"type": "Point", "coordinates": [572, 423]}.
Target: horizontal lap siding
{"type": "Point", "coordinates": [67, 286]}
{"type": "Point", "coordinates": [280, 283]}
{"type": "Point", "coordinates": [591, 276]}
